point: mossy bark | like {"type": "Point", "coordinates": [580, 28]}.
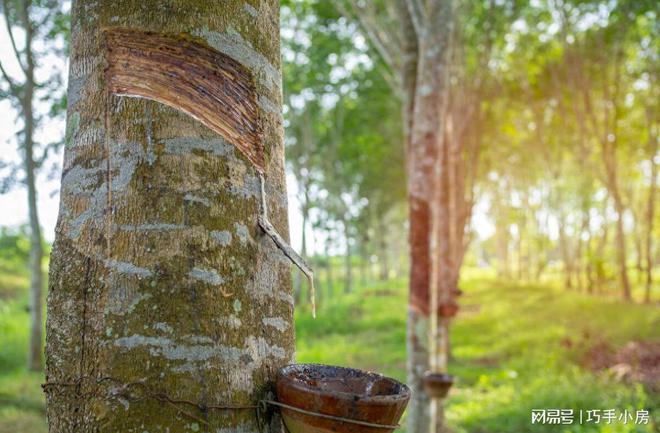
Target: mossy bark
{"type": "Point", "coordinates": [160, 274]}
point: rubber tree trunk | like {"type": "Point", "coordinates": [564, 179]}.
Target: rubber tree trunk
{"type": "Point", "coordinates": [163, 289]}
{"type": "Point", "coordinates": [425, 140]}
{"type": "Point", "coordinates": [417, 359]}
{"type": "Point", "coordinates": [443, 281]}
{"type": "Point", "coordinates": [650, 219]}
{"type": "Point", "coordinates": [348, 262]}
{"type": "Point", "coordinates": [36, 255]}
{"type": "Point", "coordinates": [383, 261]}
{"type": "Point", "coordinates": [329, 275]}
{"type": "Point", "coordinates": [36, 250]}
{"type": "Point", "coordinates": [621, 248]}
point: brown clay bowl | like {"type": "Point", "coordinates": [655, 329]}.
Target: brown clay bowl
{"type": "Point", "coordinates": [339, 392]}
{"type": "Point", "coordinates": [437, 385]}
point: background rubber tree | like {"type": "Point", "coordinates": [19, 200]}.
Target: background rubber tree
{"type": "Point", "coordinates": [36, 29]}
{"type": "Point", "coordinates": [348, 163]}
{"type": "Point", "coordinates": [412, 40]}
{"type": "Point", "coordinates": [161, 281]}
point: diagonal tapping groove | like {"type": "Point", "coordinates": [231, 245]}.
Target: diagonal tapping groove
{"type": "Point", "coordinates": [179, 71]}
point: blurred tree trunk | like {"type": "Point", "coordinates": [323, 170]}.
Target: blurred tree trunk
{"type": "Point", "coordinates": [24, 94]}
{"type": "Point", "coordinates": [650, 207]}
{"type": "Point", "coordinates": [588, 258]}
{"type": "Point", "coordinates": [329, 273]}
{"type": "Point", "coordinates": [348, 262]}
{"type": "Point", "coordinates": [565, 250]}
{"type": "Point", "coordinates": [502, 236]}
{"type": "Point", "coordinates": [521, 266]}
{"type": "Point", "coordinates": [433, 28]}
{"type": "Point", "coordinates": [639, 249]}
{"type": "Point", "coordinates": [364, 267]}
{"type": "Point", "coordinates": [621, 245]}
{"type": "Point", "coordinates": [649, 234]}
{"type": "Point", "coordinates": [162, 286]}
{"type": "Point", "coordinates": [606, 131]}
{"type": "Point", "coordinates": [600, 248]}
{"type": "Point", "coordinates": [36, 250]}
{"type": "Point", "coordinates": [384, 268]}
{"type": "Point", "coordinates": [419, 58]}
{"type": "Point", "coordinates": [581, 245]}
{"type": "Point", "coordinates": [419, 231]}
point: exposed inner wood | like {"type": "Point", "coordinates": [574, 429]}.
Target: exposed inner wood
{"type": "Point", "coordinates": [189, 76]}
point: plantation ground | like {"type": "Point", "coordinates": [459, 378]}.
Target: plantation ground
{"type": "Point", "coordinates": [516, 348]}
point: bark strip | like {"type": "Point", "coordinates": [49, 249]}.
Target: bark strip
{"type": "Point", "coordinates": [191, 77]}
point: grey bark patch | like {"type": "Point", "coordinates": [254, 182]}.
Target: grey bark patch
{"type": "Point", "coordinates": [210, 276]}
{"type": "Point", "coordinates": [222, 237]}
{"type": "Point", "coordinates": [186, 145]}
{"type": "Point", "coordinates": [134, 303]}
{"type": "Point", "coordinates": [122, 300]}
{"type": "Point", "coordinates": [162, 346]}
{"type": "Point", "coordinates": [161, 326]}
{"type": "Point", "coordinates": [151, 152]}
{"type": "Point", "coordinates": [242, 233]}
{"type": "Point", "coordinates": [251, 10]}
{"type": "Point", "coordinates": [247, 188]}
{"type": "Point", "coordinates": [286, 297]}
{"type": "Point", "coordinates": [80, 180]}
{"type": "Point", "coordinates": [126, 157]}
{"type": "Point", "coordinates": [72, 128]}
{"type": "Point", "coordinates": [74, 92]}
{"type": "Point", "coordinates": [268, 106]}
{"type": "Point", "coordinates": [152, 227]}
{"type": "Point", "coordinates": [196, 199]}
{"type": "Point", "coordinates": [231, 321]}
{"type": "Point", "coordinates": [276, 322]}
{"type": "Point", "coordinates": [128, 268]}
{"type": "Point", "coordinates": [249, 358]}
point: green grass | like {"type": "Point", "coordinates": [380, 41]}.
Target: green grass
{"type": "Point", "coordinates": [22, 407]}
{"type": "Point", "coordinates": [516, 347]}
{"type": "Point", "coordinates": [509, 347]}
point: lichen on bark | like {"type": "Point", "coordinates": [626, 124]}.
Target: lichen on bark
{"type": "Point", "coordinates": [159, 272]}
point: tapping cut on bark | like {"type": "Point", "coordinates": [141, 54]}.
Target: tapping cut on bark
{"type": "Point", "coordinates": [190, 76]}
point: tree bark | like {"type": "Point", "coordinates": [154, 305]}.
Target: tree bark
{"type": "Point", "coordinates": [650, 219]}
{"type": "Point", "coordinates": [565, 249]}
{"type": "Point", "coordinates": [621, 249]}
{"type": "Point", "coordinates": [443, 281]}
{"type": "Point", "coordinates": [348, 262]}
{"type": "Point", "coordinates": [417, 359]}
{"type": "Point", "coordinates": [36, 250]}
{"type": "Point", "coordinates": [383, 259]}
{"type": "Point", "coordinates": [329, 273]}
{"type": "Point", "coordinates": [161, 282]}
{"type": "Point", "coordinates": [425, 143]}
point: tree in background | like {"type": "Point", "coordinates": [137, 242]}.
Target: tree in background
{"type": "Point", "coordinates": [33, 28]}
{"type": "Point", "coordinates": [348, 162]}
{"type": "Point", "coordinates": [578, 138]}
{"type": "Point", "coordinates": [422, 46]}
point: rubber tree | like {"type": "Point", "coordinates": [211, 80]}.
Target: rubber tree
{"type": "Point", "coordinates": [166, 301]}
{"type": "Point", "coordinates": [23, 94]}
{"type": "Point", "coordinates": [412, 40]}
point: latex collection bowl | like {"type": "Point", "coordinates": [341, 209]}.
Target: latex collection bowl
{"type": "Point", "coordinates": [322, 394]}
